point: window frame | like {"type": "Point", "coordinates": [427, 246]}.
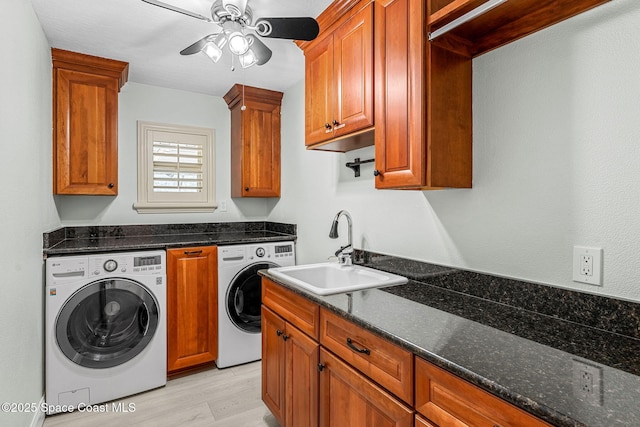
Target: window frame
{"type": "Point", "coordinates": [170, 202]}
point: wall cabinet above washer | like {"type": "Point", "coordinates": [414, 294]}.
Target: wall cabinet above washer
{"type": "Point", "coordinates": [85, 123]}
{"type": "Point", "coordinates": [255, 141]}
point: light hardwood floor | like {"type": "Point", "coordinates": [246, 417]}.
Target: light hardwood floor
{"type": "Point", "coordinates": [216, 397]}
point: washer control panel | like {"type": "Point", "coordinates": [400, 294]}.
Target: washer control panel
{"type": "Point", "coordinates": [272, 251]}
{"type": "Point", "coordinates": [73, 268]}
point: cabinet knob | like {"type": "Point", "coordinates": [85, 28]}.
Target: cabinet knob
{"type": "Point", "coordinates": [246, 188]}
{"type": "Point", "coordinates": [337, 125]}
{"type": "Point", "coordinates": [376, 172]}
{"type": "Point", "coordinates": [327, 125]}
{"type": "Point", "coordinates": [278, 332]}
{"type": "Point", "coordinates": [111, 185]}
{"type": "Point", "coordinates": [285, 337]}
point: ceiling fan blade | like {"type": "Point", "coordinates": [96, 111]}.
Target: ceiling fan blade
{"type": "Point", "coordinates": [288, 28]}
{"type": "Point", "coordinates": [197, 46]}
{"type": "Point", "coordinates": [262, 52]}
{"type": "Point", "coordinates": [178, 9]}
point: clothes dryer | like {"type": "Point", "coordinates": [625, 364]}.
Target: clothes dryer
{"type": "Point", "coordinates": [240, 297]}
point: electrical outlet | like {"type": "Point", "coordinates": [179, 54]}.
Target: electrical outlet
{"type": "Point", "coordinates": [587, 382]}
{"type": "Point", "coordinates": [222, 205]}
{"type": "Point", "coordinates": [587, 265]}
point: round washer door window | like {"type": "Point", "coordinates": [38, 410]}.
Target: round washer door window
{"type": "Point", "coordinates": [107, 323]}
{"type": "Point", "coordinates": [244, 297]}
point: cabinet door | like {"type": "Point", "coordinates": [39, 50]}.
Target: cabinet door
{"type": "Point", "coordinates": [353, 71]}
{"type": "Point", "coordinates": [319, 91]}
{"type": "Point", "coordinates": [255, 141]}
{"type": "Point", "coordinates": [273, 363]}
{"type": "Point", "coordinates": [447, 400]}
{"type": "Point", "coordinates": [423, 111]}
{"type": "Point", "coordinates": [302, 355]}
{"type": "Point", "coordinates": [261, 150]}
{"type": "Point", "coordinates": [400, 91]}
{"type": "Point", "coordinates": [192, 307]}
{"type": "Point", "coordinates": [85, 133]}
{"type": "Point", "coordinates": [348, 399]}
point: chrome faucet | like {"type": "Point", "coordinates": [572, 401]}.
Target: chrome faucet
{"type": "Point", "coordinates": [344, 253]}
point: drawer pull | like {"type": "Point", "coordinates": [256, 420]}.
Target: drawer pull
{"type": "Point", "coordinates": [192, 252]}
{"type": "Point", "coordinates": [354, 347]}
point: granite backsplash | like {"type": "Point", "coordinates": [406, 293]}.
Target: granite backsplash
{"type": "Point", "coordinates": [586, 321]}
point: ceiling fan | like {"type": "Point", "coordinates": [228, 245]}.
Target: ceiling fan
{"type": "Point", "coordinates": [235, 17]}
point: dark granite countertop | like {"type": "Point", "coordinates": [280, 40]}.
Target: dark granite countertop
{"type": "Point", "coordinates": [94, 239]}
{"type": "Point", "coordinates": [484, 330]}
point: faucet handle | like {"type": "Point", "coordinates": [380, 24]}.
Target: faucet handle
{"type": "Point", "coordinates": [346, 249]}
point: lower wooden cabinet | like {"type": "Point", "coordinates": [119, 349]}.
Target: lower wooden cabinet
{"type": "Point", "coordinates": [337, 374]}
{"type": "Point", "coordinates": [383, 362]}
{"type": "Point", "coordinates": [447, 400]}
{"type": "Point", "coordinates": [289, 372]}
{"type": "Point", "coordinates": [192, 307]}
{"type": "Point", "coordinates": [348, 398]}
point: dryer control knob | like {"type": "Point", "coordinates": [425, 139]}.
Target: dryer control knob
{"type": "Point", "coordinates": [110, 265]}
{"type": "Point", "coordinates": [260, 252]}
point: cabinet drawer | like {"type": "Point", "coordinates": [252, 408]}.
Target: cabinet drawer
{"type": "Point", "coordinates": [448, 400]}
{"type": "Point", "coordinates": [292, 307]}
{"type": "Point", "coordinates": [384, 362]}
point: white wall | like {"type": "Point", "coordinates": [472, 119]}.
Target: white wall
{"type": "Point", "coordinates": [27, 205]}
{"type": "Point", "coordinates": [556, 164]}
{"type": "Point", "coordinates": [156, 104]}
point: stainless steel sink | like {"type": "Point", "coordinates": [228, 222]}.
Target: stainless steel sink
{"type": "Point", "coordinates": [332, 278]}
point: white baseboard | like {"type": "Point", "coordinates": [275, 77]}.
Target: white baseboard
{"type": "Point", "coordinates": [38, 417]}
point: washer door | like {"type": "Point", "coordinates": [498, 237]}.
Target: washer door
{"type": "Point", "coordinates": [244, 297]}
{"type": "Point", "coordinates": [107, 323]}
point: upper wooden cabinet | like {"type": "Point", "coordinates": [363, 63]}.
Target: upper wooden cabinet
{"type": "Point", "coordinates": [85, 123]}
{"type": "Point", "coordinates": [500, 25]}
{"type": "Point", "coordinates": [255, 141]}
{"type": "Point", "coordinates": [423, 114]}
{"type": "Point", "coordinates": [192, 307]}
{"type": "Point", "coordinates": [339, 79]}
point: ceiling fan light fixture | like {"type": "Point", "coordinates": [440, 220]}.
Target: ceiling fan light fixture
{"type": "Point", "coordinates": [238, 43]}
{"type": "Point", "coordinates": [220, 40]}
{"type": "Point", "coordinates": [261, 52]}
{"type": "Point", "coordinates": [248, 59]}
{"type": "Point", "coordinates": [212, 50]}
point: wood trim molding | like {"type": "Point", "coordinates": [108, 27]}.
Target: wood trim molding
{"type": "Point", "coordinates": [91, 64]}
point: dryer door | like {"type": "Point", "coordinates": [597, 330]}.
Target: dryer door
{"type": "Point", "coordinates": [107, 323]}
{"type": "Point", "coordinates": [244, 297]}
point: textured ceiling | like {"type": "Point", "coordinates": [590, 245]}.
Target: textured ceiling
{"type": "Point", "coordinates": [150, 38]}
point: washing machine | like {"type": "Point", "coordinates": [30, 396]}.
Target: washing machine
{"type": "Point", "coordinates": [240, 297]}
{"type": "Point", "coordinates": [105, 327]}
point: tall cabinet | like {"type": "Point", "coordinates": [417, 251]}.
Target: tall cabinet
{"type": "Point", "coordinates": [255, 141]}
{"type": "Point", "coordinates": [192, 307]}
{"type": "Point", "coordinates": [85, 123]}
